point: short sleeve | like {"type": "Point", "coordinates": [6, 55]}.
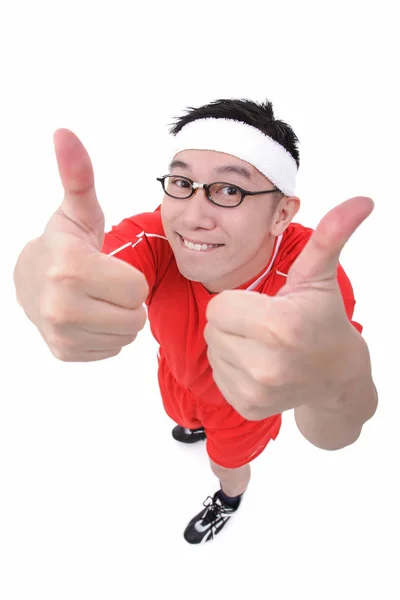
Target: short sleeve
{"type": "Point", "coordinates": [146, 246]}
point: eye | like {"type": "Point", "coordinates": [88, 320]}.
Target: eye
{"type": "Point", "coordinates": [180, 183]}
{"type": "Point", "coordinates": [227, 190]}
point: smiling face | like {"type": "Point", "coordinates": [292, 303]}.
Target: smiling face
{"type": "Point", "coordinates": [245, 234]}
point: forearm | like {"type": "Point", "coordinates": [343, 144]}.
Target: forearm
{"type": "Point", "coordinates": [336, 421]}
{"type": "Point", "coordinates": [331, 428]}
{"type": "Point", "coordinates": [22, 267]}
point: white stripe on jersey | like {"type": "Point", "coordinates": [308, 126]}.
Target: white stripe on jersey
{"type": "Point", "coordinates": [251, 287]}
{"type": "Point", "coordinates": [257, 281]}
{"type": "Point", "coordinates": [140, 236]}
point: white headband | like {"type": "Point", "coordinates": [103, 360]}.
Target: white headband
{"type": "Point", "coordinates": [243, 141]}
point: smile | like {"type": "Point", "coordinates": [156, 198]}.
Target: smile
{"type": "Point", "coordinates": [198, 247]}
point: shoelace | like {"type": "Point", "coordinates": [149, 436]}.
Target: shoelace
{"type": "Point", "coordinates": [213, 510]}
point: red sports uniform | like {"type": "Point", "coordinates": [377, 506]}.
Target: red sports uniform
{"type": "Point", "coordinates": [176, 311]}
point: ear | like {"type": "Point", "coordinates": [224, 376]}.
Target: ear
{"type": "Point", "coordinates": [284, 214]}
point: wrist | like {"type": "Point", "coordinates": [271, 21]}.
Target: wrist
{"type": "Point", "coordinates": [350, 373]}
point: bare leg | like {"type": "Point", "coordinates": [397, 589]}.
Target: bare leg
{"type": "Point", "coordinates": [233, 481]}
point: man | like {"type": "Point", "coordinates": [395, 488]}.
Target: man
{"type": "Point", "coordinates": [252, 312]}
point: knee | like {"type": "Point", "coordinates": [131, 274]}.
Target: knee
{"type": "Point", "coordinates": [218, 470]}
{"type": "Point", "coordinates": [222, 472]}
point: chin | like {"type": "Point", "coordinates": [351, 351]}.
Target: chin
{"type": "Point", "coordinates": [191, 274]}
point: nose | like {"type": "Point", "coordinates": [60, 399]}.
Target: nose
{"type": "Point", "coordinates": [198, 210]}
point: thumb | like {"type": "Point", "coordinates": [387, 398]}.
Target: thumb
{"type": "Point", "coordinates": [80, 203]}
{"type": "Point", "coordinates": [320, 257]}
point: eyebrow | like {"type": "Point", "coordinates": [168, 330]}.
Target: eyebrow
{"type": "Point", "coordinates": [225, 169]}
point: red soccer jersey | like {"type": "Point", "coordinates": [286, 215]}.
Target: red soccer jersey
{"type": "Point", "coordinates": [177, 306]}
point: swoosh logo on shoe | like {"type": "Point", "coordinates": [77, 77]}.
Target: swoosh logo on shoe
{"type": "Point", "coordinates": [190, 432]}
{"type": "Point", "coordinates": [202, 528]}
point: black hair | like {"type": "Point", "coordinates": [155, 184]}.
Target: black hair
{"type": "Point", "coordinates": [257, 114]}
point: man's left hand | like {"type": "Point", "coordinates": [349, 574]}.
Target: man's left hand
{"type": "Point", "coordinates": [270, 354]}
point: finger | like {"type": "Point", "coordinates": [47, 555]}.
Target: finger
{"type": "Point", "coordinates": [91, 356]}
{"type": "Point", "coordinates": [250, 399]}
{"type": "Point", "coordinates": [320, 257]}
{"type": "Point", "coordinates": [64, 309]}
{"type": "Point", "coordinates": [244, 353]}
{"type": "Point", "coordinates": [100, 276]}
{"type": "Point", "coordinates": [113, 280]}
{"type": "Point", "coordinates": [73, 338]}
{"type": "Point", "coordinates": [250, 314]}
{"type": "Point", "coordinates": [101, 319]}
{"type": "Point", "coordinates": [238, 389]}
{"type": "Point", "coordinates": [80, 202]}
{"type": "Point", "coordinates": [225, 377]}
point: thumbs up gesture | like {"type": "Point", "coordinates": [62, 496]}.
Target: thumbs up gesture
{"type": "Point", "coordinates": [270, 354]}
{"type": "Point", "coordinates": [86, 305]}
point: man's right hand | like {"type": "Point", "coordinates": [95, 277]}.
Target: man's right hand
{"type": "Point", "coordinates": [87, 305]}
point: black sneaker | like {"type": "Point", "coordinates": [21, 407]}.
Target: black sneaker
{"type": "Point", "coordinates": [188, 436]}
{"type": "Point", "coordinates": [204, 526]}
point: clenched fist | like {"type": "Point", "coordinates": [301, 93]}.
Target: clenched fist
{"type": "Point", "coordinates": [85, 304]}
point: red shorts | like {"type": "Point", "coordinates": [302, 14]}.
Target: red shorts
{"type": "Point", "coordinates": [232, 441]}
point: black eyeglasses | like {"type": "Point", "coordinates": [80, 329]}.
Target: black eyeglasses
{"type": "Point", "coordinates": [219, 193]}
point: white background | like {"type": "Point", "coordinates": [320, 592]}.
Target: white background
{"type": "Point", "coordinates": [95, 493]}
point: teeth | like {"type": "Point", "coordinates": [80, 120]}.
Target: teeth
{"type": "Point", "coordinates": [198, 247]}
